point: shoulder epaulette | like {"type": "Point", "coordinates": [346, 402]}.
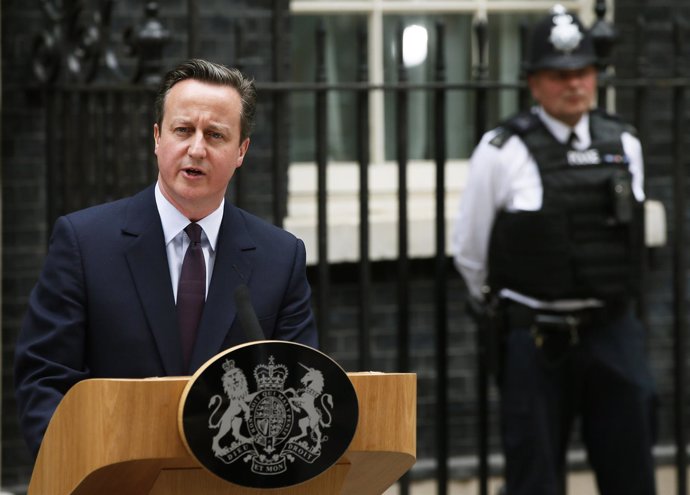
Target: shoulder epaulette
{"type": "Point", "coordinates": [614, 118]}
{"type": "Point", "coordinates": [519, 124]}
{"type": "Point", "coordinates": [502, 135]}
{"type": "Point", "coordinates": [523, 122]}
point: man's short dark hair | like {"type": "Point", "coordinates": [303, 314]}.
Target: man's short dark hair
{"type": "Point", "coordinates": [210, 72]}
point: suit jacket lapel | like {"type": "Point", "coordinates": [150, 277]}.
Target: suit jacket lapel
{"type": "Point", "coordinates": [148, 264]}
{"type": "Point", "coordinates": [232, 267]}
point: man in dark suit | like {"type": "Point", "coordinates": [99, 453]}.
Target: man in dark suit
{"type": "Point", "coordinates": [105, 302]}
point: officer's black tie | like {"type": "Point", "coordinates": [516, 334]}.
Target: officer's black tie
{"type": "Point", "coordinates": [572, 139]}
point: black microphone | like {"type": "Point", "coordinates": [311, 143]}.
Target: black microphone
{"type": "Point", "coordinates": [250, 323]}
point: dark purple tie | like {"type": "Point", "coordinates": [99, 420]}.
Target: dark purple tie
{"type": "Point", "coordinates": [191, 291]}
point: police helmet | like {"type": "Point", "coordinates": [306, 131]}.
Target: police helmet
{"type": "Point", "coordinates": [559, 41]}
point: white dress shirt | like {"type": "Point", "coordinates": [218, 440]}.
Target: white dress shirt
{"type": "Point", "coordinates": [177, 240]}
{"type": "Point", "coordinates": [507, 177]}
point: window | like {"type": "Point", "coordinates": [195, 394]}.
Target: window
{"type": "Point", "coordinates": [383, 20]}
{"type": "Point", "coordinates": [341, 66]}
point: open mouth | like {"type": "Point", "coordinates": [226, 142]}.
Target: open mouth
{"type": "Point", "coordinates": [193, 172]}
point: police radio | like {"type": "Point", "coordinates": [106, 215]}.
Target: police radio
{"type": "Point", "coordinates": [622, 196]}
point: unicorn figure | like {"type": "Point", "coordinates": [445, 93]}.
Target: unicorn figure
{"type": "Point", "coordinates": [305, 399]}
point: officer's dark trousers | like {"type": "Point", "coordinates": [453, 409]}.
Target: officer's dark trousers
{"type": "Point", "coordinates": [600, 378]}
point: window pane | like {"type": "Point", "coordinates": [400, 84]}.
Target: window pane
{"type": "Point", "coordinates": [420, 68]}
{"type": "Point", "coordinates": [505, 60]}
{"type": "Point", "coordinates": [340, 66]}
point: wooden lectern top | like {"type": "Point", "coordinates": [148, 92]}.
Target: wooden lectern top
{"type": "Point", "coordinates": [114, 436]}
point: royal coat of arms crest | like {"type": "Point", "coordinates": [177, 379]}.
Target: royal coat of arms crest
{"type": "Point", "coordinates": [273, 425]}
{"type": "Point", "coordinates": [270, 413]}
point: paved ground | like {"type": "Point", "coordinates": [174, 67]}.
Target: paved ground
{"type": "Point", "coordinates": [578, 484]}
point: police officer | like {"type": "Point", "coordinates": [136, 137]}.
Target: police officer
{"type": "Point", "coordinates": [550, 226]}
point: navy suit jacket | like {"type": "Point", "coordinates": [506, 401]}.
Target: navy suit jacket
{"type": "Point", "coordinates": [104, 307]}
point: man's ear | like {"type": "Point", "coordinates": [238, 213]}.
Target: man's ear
{"type": "Point", "coordinates": [532, 85]}
{"type": "Point", "coordinates": [243, 152]}
{"type": "Point", "coordinates": [156, 137]}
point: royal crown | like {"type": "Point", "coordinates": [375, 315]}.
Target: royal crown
{"type": "Point", "coordinates": [271, 376]}
{"type": "Point", "coordinates": [229, 365]}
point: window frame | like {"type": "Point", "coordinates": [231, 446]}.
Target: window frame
{"type": "Point", "coordinates": [343, 202]}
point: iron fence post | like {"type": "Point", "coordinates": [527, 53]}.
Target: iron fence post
{"type": "Point", "coordinates": [402, 129]}
{"type": "Point", "coordinates": [483, 431]}
{"type": "Point", "coordinates": [680, 266]}
{"type": "Point", "coordinates": [441, 286]}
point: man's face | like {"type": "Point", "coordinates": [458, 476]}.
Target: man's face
{"type": "Point", "coordinates": [198, 145]}
{"type": "Point", "coordinates": [565, 94]}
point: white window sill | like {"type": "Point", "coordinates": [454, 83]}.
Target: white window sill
{"type": "Point", "coordinates": [343, 208]}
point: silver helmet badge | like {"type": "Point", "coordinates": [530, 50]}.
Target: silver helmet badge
{"type": "Point", "coordinates": [565, 34]}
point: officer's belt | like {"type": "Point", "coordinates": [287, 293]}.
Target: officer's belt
{"type": "Point", "coordinates": [519, 315]}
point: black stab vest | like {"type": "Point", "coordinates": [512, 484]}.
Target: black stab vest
{"type": "Point", "coordinates": [586, 241]}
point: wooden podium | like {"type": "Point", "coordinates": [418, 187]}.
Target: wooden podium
{"type": "Point", "coordinates": [111, 436]}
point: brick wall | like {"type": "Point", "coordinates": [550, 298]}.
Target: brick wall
{"type": "Point", "coordinates": [23, 211]}
{"type": "Point", "coordinates": [342, 343]}
{"type": "Point", "coordinates": [658, 57]}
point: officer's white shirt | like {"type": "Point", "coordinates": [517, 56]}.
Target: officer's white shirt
{"type": "Point", "coordinates": [507, 178]}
